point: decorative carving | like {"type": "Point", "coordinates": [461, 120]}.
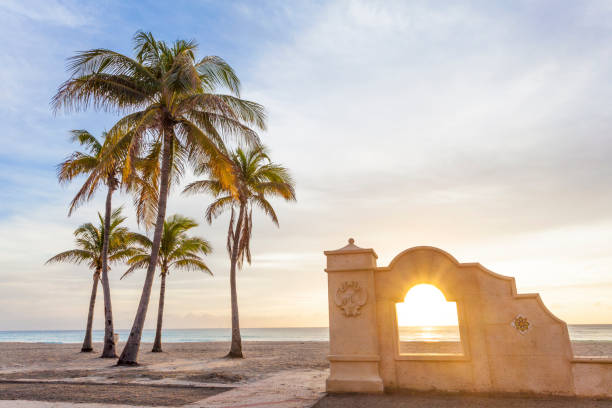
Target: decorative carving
{"type": "Point", "coordinates": [350, 297]}
{"type": "Point", "coordinates": [521, 324]}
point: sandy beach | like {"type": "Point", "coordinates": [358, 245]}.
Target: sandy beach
{"type": "Point", "coordinates": [200, 362]}
{"type": "Point", "coordinates": [184, 373]}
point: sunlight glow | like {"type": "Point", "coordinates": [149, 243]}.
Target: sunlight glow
{"type": "Point", "coordinates": [425, 305]}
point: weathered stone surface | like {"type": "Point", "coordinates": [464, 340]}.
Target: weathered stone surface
{"type": "Point", "coordinates": [511, 342]}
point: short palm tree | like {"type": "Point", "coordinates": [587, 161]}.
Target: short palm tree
{"type": "Point", "coordinates": [90, 244]}
{"type": "Point", "coordinates": [256, 179]}
{"type": "Point", "coordinates": [173, 100]}
{"type": "Point", "coordinates": [177, 251]}
{"type": "Point", "coordinates": [100, 171]}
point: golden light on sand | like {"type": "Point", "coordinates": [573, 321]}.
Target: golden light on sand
{"type": "Point", "coordinates": [425, 305]}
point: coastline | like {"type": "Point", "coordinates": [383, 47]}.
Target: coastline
{"type": "Point", "coordinates": [581, 332]}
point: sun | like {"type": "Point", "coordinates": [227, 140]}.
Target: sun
{"type": "Point", "coordinates": [425, 305]}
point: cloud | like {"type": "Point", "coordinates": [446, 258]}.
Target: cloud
{"type": "Point", "coordinates": [477, 127]}
{"type": "Point", "coordinates": [424, 110]}
{"type": "Point", "coordinates": [56, 12]}
{"type": "Point", "coordinates": [468, 127]}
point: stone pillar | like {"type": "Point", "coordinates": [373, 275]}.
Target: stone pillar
{"type": "Point", "coordinates": [353, 339]}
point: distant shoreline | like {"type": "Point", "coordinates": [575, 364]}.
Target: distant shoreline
{"type": "Point", "coordinates": [578, 333]}
{"type": "Point", "coordinates": [261, 328]}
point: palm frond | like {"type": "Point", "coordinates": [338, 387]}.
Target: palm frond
{"type": "Point", "coordinates": [248, 112]}
{"type": "Point", "coordinates": [267, 208]}
{"type": "Point", "coordinates": [215, 72]}
{"type": "Point", "coordinates": [244, 244]}
{"type": "Point", "coordinates": [213, 187]}
{"type": "Point", "coordinates": [87, 139]}
{"type": "Point", "coordinates": [101, 60]}
{"type": "Point", "coordinates": [220, 165]}
{"type": "Point", "coordinates": [230, 232]}
{"type": "Point", "coordinates": [215, 209]}
{"type": "Point", "coordinates": [141, 240]}
{"type": "Point", "coordinates": [191, 264]}
{"type": "Point", "coordinates": [285, 190]}
{"type": "Point", "coordinates": [75, 165]}
{"type": "Point", "coordinates": [76, 256]}
{"type": "Point", "coordinates": [102, 92]}
{"type": "Point", "coordinates": [87, 190]}
{"type": "Point", "coordinates": [134, 266]}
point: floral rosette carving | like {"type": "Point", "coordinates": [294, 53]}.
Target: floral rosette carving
{"type": "Point", "coordinates": [350, 297]}
{"type": "Point", "coordinates": [521, 324]}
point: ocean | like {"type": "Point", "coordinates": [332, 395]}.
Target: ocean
{"type": "Point", "coordinates": [580, 332]}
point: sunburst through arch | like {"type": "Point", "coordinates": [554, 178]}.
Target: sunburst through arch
{"type": "Point", "coordinates": [426, 317]}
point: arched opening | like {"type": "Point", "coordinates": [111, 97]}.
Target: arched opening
{"type": "Point", "coordinates": [428, 323]}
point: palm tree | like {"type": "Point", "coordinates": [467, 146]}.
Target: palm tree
{"type": "Point", "coordinates": [255, 179]}
{"type": "Point", "coordinates": [90, 244]}
{"type": "Point", "coordinates": [177, 251]}
{"type": "Point", "coordinates": [172, 101]}
{"type": "Point", "coordinates": [100, 171]}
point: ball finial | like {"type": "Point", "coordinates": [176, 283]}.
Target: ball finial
{"type": "Point", "coordinates": [351, 241]}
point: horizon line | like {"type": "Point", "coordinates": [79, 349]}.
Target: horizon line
{"type": "Point", "coordinates": [263, 328]}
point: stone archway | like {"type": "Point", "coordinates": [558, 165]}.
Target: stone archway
{"type": "Point", "coordinates": [511, 342]}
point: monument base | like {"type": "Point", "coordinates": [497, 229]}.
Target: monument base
{"type": "Point", "coordinates": [373, 386]}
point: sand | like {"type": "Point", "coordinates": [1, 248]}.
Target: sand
{"type": "Point", "coordinates": [197, 362]}
{"type": "Point", "coordinates": [189, 372]}
{"type": "Point", "coordinates": [184, 373]}
{"type": "Point", "coordinates": [109, 394]}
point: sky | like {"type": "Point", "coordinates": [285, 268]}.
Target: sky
{"type": "Point", "coordinates": [480, 127]}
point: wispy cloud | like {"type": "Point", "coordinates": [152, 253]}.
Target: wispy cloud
{"type": "Point", "coordinates": [56, 12]}
{"type": "Point", "coordinates": [480, 127]}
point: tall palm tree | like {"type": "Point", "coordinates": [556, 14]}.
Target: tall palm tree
{"type": "Point", "coordinates": [90, 243]}
{"type": "Point", "coordinates": [256, 179]}
{"type": "Point", "coordinates": [100, 171]}
{"type": "Point", "coordinates": [173, 101]}
{"type": "Point", "coordinates": [177, 251]}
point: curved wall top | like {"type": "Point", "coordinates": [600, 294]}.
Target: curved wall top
{"type": "Point", "coordinates": [431, 265]}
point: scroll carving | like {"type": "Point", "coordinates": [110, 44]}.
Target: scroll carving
{"type": "Point", "coordinates": [350, 297]}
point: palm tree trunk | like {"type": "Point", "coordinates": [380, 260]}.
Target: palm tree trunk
{"type": "Point", "coordinates": [129, 355]}
{"type": "Point", "coordinates": [157, 346]}
{"type": "Point", "coordinates": [236, 346]}
{"type": "Point", "coordinates": [87, 345]}
{"type": "Point", "coordinates": [109, 341]}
